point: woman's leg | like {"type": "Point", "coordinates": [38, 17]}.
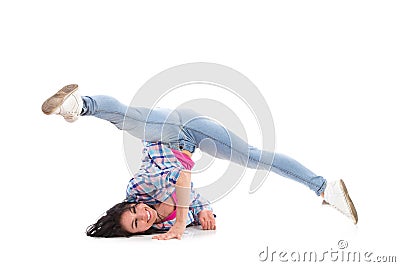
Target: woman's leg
{"type": "Point", "coordinates": [229, 146]}
{"type": "Point", "coordinates": [165, 125]}
{"type": "Point", "coordinates": [187, 129]}
{"type": "Point", "coordinates": [150, 125]}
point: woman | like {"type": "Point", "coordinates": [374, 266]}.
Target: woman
{"type": "Point", "coordinates": [160, 195]}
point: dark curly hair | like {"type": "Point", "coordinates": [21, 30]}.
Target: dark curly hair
{"type": "Point", "coordinates": [109, 224]}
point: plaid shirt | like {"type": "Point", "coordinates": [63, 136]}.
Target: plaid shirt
{"type": "Point", "coordinates": [155, 182]}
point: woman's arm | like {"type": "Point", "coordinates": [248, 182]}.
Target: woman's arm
{"type": "Point", "coordinates": [182, 188]}
{"type": "Point", "coordinates": [202, 212]}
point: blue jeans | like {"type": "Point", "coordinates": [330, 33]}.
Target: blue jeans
{"type": "Point", "coordinates": [185, 129]}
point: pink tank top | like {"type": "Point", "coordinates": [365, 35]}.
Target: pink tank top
{"type": "Point", "coordinates": [188, 163]}
{"type": "Point", "coordinates": [172, 215]}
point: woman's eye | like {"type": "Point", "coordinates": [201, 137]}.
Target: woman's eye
{"type": "Point", "coordinates": [133, 209]}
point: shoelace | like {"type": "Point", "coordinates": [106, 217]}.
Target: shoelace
{"type": "Point", "coordinates": [69, 115]}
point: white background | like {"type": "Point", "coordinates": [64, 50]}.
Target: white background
{"type": "Point", "coordinates": [329, 71]}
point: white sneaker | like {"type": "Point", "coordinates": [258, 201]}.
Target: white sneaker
{"type": "Point", "coordinates": [66, 102]}
{"type": "Point", "coordinates": [337, 196]}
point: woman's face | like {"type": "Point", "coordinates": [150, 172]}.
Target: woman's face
{"type": "Point", "coordinates": [138, 218]}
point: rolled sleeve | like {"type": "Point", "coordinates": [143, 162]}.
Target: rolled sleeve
{"type": "Point", "coordinates": [173, 174]}
{"type": "Point", "coordinates": [198, 204]}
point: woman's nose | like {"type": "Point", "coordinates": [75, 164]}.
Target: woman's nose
{"type": "Point", "coordinates": [143, 215]}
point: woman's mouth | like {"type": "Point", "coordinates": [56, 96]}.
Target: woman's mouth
{"type": "Point", "coordinates": [148, 216]}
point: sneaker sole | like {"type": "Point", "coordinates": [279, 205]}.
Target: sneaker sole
{"type": "Point", "coordinates": [55, 101]}
{"type": "Point", "coordinates": [348, 199]}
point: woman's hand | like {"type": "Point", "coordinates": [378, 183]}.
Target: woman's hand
{"type": "Point", "coordinates": [207, 220]}
{"type": "Point", "coordinates": [182, 188]}
{"type": "Point", "coordinates": [176, 231]}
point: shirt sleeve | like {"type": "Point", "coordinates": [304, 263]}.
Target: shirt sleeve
{"type": "Point", "coordinates": [173, 174]}
{"type": "Point", "coordinates": [198, 204]}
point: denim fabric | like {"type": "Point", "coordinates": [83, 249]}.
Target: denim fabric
{"type": "Point", "coordinates": [184, 129]}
